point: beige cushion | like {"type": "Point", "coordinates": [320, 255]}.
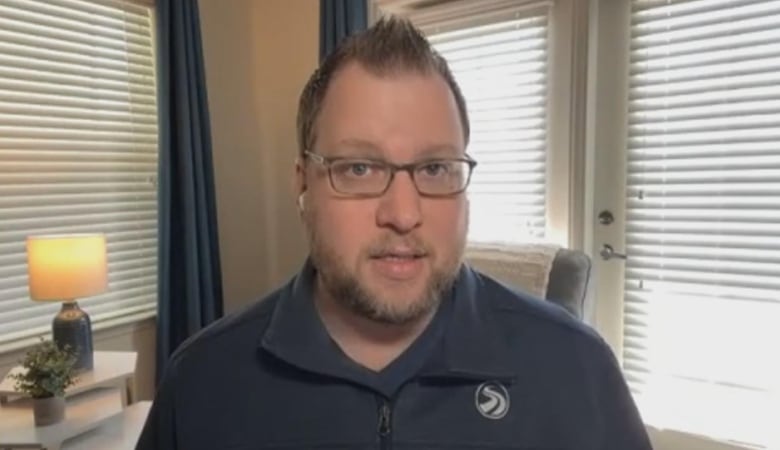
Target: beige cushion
{"type": "Point", "coordinates": [525, 266]}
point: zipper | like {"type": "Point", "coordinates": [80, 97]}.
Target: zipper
{"type": "Point", "coordinates": [384, 425]}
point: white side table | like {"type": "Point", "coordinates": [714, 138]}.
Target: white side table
{"type": "Point", "coordinates": [97, 396]}
{"type": "Point", "coordinates": [83, 412]}
{"type": "Point", "coordinates": [111, 369]}
{"type": "Point", "coordinates": [121, 432]}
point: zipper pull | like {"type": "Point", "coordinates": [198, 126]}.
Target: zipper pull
{"type": "Point", "coordinates": [384, 420]}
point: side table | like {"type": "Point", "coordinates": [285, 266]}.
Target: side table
{"type": "Point", "coordinates": [120, 432]}
{"type": "Point", "coordinates": [98, 395]}
{"type": "Point", "coordinates": [83, 412]}
{"type": "Point", "coordinates": [111, 369]}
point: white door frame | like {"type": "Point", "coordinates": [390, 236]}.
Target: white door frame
{"type": "Point", "coordinates": [605, 165]}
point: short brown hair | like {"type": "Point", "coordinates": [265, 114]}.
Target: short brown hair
{"type": "Point", "coordinates": [392, 45]}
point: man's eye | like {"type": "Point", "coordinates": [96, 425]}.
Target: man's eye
{"type": "Point", "coordinates": [434, 169]}
{"type": "Point", "coordinates": [355, 169]}
{"type": "Point", "coordinates": [358, 169]}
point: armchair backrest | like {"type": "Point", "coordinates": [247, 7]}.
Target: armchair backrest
{"type": "Point", "coordinates": [559, 275]}
{"type": "Point", "coordinates": [569, 283]}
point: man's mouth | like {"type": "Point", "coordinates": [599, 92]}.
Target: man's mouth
{"type": "Point", "coordinates": [399, 264]}
{"type": "Point", "coordinates": [404, 255]}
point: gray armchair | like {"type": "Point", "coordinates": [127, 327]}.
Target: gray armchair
{"type": "Point", "coordinates": [559, 275]}
{"type": "Point", "coordinates": [569, 284]}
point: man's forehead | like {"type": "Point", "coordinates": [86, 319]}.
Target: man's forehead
{"type": "Point", "coordinates": [365, 115]}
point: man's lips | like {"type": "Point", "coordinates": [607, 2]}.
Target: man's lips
{"type": "Point", "coordinates": [399, 264]}
{"type": "Point", "coordinates": [399, 255]}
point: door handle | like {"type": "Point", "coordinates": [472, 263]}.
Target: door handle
{"type": "Point", "coordinates": [607, 253]}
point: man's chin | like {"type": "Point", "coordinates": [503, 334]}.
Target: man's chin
{"type": "Point", "coordinates": [399, 305]}
{"type": "Point", "coordinates": [387, 314]}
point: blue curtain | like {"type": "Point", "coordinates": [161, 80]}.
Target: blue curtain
{"type": "Point", "coordinates": [189, 277]}
{"type": "Point", "coordinates": [339, 19]}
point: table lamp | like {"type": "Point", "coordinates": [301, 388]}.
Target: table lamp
{"type": "Point", "coordinates": [63, 268]}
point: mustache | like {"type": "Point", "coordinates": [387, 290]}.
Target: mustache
{"type": "Point", "coordinates": [395, 246]}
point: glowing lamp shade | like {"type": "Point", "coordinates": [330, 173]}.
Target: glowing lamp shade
{"type": "Point", "coordinates": [63, 268]}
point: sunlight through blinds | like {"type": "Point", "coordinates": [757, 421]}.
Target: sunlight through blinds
{"type": "Point", "coordinates": [78, 149]}
{"type": "Point", "coordinates": [501, 68]}
{"type": "Point", "coordinates": [702, 288]}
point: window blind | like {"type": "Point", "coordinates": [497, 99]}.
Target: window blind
{"type": "Point", "coordinates": [702, 309]}
{"type": "Point", "coordinates": [78, 149]}
{"type": "Point", "coordinates": [498, 53]}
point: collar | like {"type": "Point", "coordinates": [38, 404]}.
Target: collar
{"type": "Point", "coordinates": [296, 334]}
{"type": "Point", "coordinates": [472, 347]}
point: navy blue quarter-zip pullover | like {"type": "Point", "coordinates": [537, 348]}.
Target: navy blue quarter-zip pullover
{"type": "Point", "coordinates": [494, 370]}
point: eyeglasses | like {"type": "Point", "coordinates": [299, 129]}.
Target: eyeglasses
{"type": "Point", "coordinates": [370, 177]}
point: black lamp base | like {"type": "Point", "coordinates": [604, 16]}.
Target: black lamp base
{"type": "Point", "coordinates": [72, 327]}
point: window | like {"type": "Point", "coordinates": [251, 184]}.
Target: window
{"type": "Point", "coordinates": [502, 70]}
{"type": "Point", "coordinates": [499, 52]}
{"type": "Point", "coordinates": [701, 338]}
{"type": "Point", "coordinates": [78, 150]}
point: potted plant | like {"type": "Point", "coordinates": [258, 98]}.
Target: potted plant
{"type": "Point", "coordinates": [47, 370]}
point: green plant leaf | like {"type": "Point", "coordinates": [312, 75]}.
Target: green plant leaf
{"type": "Point", "coordinates": [47, 370]}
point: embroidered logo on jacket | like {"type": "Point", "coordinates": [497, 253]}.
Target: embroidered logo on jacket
{"type": "Point", "coordinates": [492, 400]}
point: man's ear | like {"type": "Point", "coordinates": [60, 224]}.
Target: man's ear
{"type": "Point", "coordinates": [300, 183]}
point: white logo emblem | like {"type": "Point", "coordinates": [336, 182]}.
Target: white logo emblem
{"type": "Point", "coordinates": [492, 400]}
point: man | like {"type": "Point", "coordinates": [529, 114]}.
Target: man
{"type": "Point", "coordinates": [385, 339]}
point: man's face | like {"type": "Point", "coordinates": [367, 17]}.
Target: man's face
{"type": "Point", "coordinates": [387, 258]}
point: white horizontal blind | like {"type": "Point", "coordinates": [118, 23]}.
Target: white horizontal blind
{"type": "Point", "coordinates": [78, 148]}
{"type": "Point", "coordinates": [500, 61]}
{"type": "Point", "coordinates": [702, 289]}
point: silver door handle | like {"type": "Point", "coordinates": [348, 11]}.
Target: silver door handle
{"type": "Point", "coordinates": [607, 253]}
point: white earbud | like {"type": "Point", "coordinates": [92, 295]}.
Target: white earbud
{"type": "Point", "coordinates": [301, 204]}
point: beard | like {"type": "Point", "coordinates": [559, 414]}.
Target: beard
{"type": "Point", "coordinates": [347, 289]}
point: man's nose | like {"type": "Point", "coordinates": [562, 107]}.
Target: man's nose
{"type": "Point", "coordinates": [399, 206]}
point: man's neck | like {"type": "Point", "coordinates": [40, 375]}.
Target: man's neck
{"type": "Point", "coordinates": [371, 344]}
